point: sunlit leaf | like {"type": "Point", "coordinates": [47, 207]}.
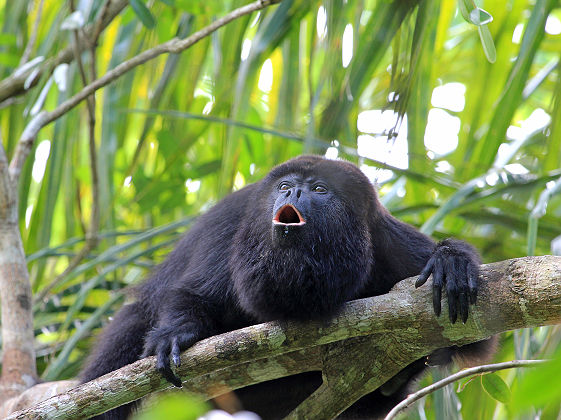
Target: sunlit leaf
{"type": "Point", "coordinates": [487, 43]}
{"type": "Point", "coordinates": [480, 17]}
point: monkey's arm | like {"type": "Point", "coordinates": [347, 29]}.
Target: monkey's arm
{"type": "Point", "coordinates": [404, 251]}
{"type": "Point", "coordinates": [186, 319]}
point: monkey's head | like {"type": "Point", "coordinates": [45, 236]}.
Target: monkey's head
{"type": "Point", "coordinates": [304, 247]}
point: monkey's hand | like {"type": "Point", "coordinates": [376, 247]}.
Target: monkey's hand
{"type": "Point", "coordinates": [454, 264]}
{"type": "Point", "coordinates": [166, 341]}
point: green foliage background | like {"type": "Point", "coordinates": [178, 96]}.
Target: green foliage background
{"type": "Point", "coordinates": [201, 117]}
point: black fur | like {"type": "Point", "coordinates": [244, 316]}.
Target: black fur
{"type": "Point", "coordinates": [296, 245]}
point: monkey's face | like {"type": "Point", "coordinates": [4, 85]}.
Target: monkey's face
{"type": "Point", "coordinates": [299, 204]}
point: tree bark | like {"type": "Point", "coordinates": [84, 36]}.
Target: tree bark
{"type": "Point", "coordinates": [377, 336]}
{"type": "Point", "coordinates": [18, 356]}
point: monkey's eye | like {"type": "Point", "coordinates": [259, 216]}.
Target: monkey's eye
{"type": "Point", "coordinates": [284, 186]}
{"type": "Point", "coordinates": [319, 188]}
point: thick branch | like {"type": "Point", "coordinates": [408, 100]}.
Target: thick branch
{"type": "Point", "coordinates": [518, 293]}
{"type": "Point", "coordinates": [18, 356]}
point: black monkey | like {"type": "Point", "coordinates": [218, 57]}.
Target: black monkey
{"type": "Point", "coordinates": [294, 246]}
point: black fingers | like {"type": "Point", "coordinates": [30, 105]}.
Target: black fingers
{"type": "Point", "coordinates": [163, 366]}
{"type": "Point", "coordinates": [452, 290]}
{"type": "Point", "coordinates": [423, 277]}
{"type": "Point", "coordinates": [460, 266]}
{"type": "Point", "coordinates": [168, 343]}
{"type": "Point", "coordinates": [464, 307]}
{"type": "Point", "coordinates": [181, 342]}
{"type": "Point", "coordinates": [437, 283]}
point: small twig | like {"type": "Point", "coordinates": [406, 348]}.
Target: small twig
{"type": "Point", "coordinates": [78, 53]}
{"type": "Point", "coordinates": [98, 25]}
{"type": "Point", "coordinates": [174, 45]}
{"type": "Point", "coordinates": [92, 237]}
{"type": "Point", "coordinates": [457, 376]}
{"type": "Point", "coordinates": [91, 234]}
{"type": "Point", "coordinates": [33, 37]}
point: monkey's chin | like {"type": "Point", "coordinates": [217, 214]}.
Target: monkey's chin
{"type": "Point", "coordinates": [286, 235]}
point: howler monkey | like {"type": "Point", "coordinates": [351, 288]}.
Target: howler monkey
{"type": "Point", "coordinates": [294, 246]}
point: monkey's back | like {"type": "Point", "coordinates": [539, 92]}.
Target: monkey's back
{"type": "Point", "coordinates": [199, 262]}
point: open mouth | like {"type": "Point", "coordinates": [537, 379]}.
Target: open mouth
{"type": "Point", "coordinates": [288, 215]}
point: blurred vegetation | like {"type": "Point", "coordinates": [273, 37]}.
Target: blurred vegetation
{"type": "Point", "coordinates": [173, 407]}
{"type": "Point", "coordinates": [181, 131]}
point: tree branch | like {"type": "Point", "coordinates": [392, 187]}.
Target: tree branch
{"type": "Point", "coordinates": [174, 45]}
{"type": "Point", "coordinates": [13, 85]}
{"type": "Point", "coordinates": [18, 354]}
{"type": "Point", "coordinates": [401, 325]}
{"type": "Point", "coordinates": [98, 25]}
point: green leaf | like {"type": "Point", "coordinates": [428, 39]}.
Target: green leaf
{"type": "Point", "coordinates": [496, 387]}
{"type": "Point", "coordinates": [480, 17]}
{"type": "Point", "coordinates": [487, 43]}
{"type": "Point", "coordinates": [538, 386]}
{"type": "Point", "coordinates": [464, 7]}
{"type": "Point", "coordinates": [473, 14]}
{"type": "Point", "coordinates": [486, 148]}
{"type": "Point", "coordinates": [142, 12]}
{"type": "Point", "coordinates": [174, 407]}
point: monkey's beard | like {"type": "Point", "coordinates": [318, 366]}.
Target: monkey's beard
{"type": "Point", "coordinates": [309, 277]}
